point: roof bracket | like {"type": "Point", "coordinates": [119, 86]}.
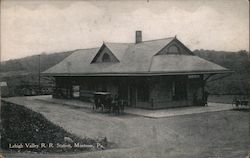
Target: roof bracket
{"type": "Point", "coordinates": [226, 75]}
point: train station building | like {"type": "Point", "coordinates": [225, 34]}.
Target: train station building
{"type": "Point", "coordinates": [153, 74]}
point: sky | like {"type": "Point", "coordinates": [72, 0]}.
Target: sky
{"type": "Point", "coordinates": [33, 27]}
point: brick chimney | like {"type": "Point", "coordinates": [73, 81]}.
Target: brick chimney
{"type": "Point", "coordinates": [138, 36]}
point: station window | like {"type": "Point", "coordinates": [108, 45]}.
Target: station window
{"type": "Point", "coordinates": [143, 92]}
{"type": "Point", "coordinates": [173, 49]}
{"type": "Point", "coordinates": [106, 58]}
{"type": "Point", "coordinates": [179, 90]}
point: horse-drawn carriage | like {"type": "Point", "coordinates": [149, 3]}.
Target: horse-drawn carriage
{"type": "Point", "coordinates": [240, 103]}
{"type": "Point", "coordinates": [105, 102]}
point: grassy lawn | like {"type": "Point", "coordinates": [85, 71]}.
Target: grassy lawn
{"type": "Point", "coordinates": [24, 127]}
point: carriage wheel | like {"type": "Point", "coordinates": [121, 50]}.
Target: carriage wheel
{"type": "Point", "coordinates": [235, 105]}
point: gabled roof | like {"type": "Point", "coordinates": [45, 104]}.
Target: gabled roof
{"type": "Point", "coordinates": [182, 63]}
{"type": "Point", "coordinates": [119, 49]}
{"type": "Point", "coordinates": [100, 51]}
{"type": "Point", "coordinates": [134, 59]}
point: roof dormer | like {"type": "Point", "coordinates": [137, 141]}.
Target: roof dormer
{"type": "Point", "coordinates": [104, 55]}
{"type": "Point", "coordinates": [175, 47]}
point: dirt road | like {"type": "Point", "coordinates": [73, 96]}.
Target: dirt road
{"type": "Point", "coordinates": [215, 134]}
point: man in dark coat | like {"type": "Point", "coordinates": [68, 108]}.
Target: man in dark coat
{"type": "Point", "coordinates": [205, 97]}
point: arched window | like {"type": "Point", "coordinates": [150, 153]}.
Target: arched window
{"type": "Point", "coordinates": [173, 49]}
{"type": "Point", "coordinates": [106, 58]}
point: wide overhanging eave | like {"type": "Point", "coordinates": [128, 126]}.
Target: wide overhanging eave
{"type": "Point", "coordinates": [140, 73]}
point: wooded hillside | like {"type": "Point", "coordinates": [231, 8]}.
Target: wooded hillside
{"type": "Point", "coordinates": [30, 63]}
{"type": "Point", "coordinates": [239, 81]}
{"type": "Point", "coordinates": [25, 70]}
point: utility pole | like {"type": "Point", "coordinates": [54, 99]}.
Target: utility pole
{"type": "Point", "coordinates": [39, 77]}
